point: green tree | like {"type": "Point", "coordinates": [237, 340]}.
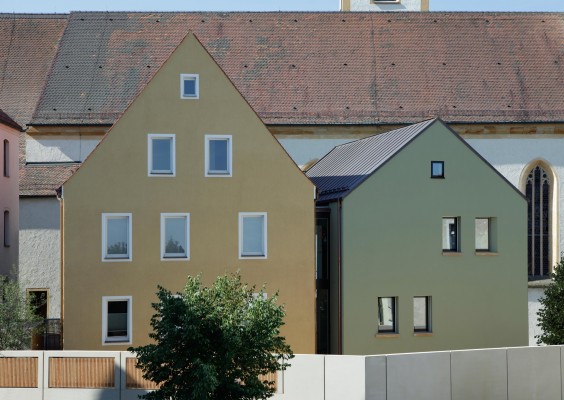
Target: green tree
{"type": "Point", "coordinates": [551, 313]}
{"type": "Point", "coordinates": [17, 316]}
{"type": "Point", "coordinates": [214, 342]}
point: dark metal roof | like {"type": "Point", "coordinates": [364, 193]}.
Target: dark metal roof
{"type": "Point", "coordinates": [323, 68]}
{"type": "Point", "coordinates": [348, 165]}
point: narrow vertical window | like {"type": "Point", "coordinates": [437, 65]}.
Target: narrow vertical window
{"type": "Point", "coordinates": [451, 239]}
{"type": "Point", "coordinates": [218, 155]}
{"type": "Point", "coordinates": [422, 314]}
{"type": "Point", "coordinates": [387, 315]}
{"type": "Point", "coordinates": [538, 190]}
{"type": "Point", "coordinates": [189, 86]}
{"type": "Point", "coordinates": [116, 320]}
{"type": "Point", "coordinates": [252, 235]}
{"type": "Point", "coordinates": [482, 239]}
{"type": "Point", "coordinates": [6, 228]}
{"type": "Point", "coordinates": [6, 158]}
{"type": "Point", "coordinates": [116, 237]}
{"type": "Point", "coordinates": [437, 169]}
{"type": "Point", "coordinates": [161, 154]}
{"type": "Point", "coordinates": [175, 231]}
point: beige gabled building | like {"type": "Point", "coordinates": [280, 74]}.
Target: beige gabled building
{"type": "Point", "coordinates": [187, 181]}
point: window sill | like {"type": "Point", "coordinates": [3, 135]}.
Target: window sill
{"type": "Point", "coordinates": [175, 258]}
{"type": "Point", "coordinates": [116, 342]}
{"type": "Point", "coordinates": [452, 253]}
{"type": "Point", "coordinates": [117, 259]}
{"type": "Point", "coordinates": [485, 253]}
{"type": "Point", "coordinates": [423, 334]}
{"type": "Point", "coordinates": [381, 335]}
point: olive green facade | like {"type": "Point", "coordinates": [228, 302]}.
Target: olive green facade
{"type": "Point", "coordinates": [391, 246]}
{"type": "Point", "coordinates": [114, 179]}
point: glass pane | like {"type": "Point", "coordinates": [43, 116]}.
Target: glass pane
{"type": "Point", "coordinates": [253, 235]}
{"type": "Point", "coordinates": [175, 236]}
{"type": "Point", "coordinates": [218, 155]}
{"type": "Point", "coordinates": [420, 314]}
{"type": "Point", "coordinates": [162, 150]}
{"type": "Point", "coordinates": [386, 314]}
{"type": "Point", "coordinates": [117, 237]}
{"type": "Point", "coordinates": [189, 87]}
{"type": "Point", "coordinates": [437, 169]}
{"type": "Point", "coordinates": [450, 234]}
{"type": "Point", "coordinates": [117, 318]}
{"type": "Point", "coordinates": [482, 234]}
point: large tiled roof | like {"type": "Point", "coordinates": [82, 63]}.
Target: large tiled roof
{"type": "Point", "coordinates": [44, 180]}
{"type": "Point", "coordinates": [28, 44]}
{"type": "Point", "coordinates": [323, 68]}
{"type": "Point", "coordinates": [7, 120]}
{"type": "Point", "coordinates": [348, 165]}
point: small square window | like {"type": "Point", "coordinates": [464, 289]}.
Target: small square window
{"type": "Point", "coordinates": [437, 169]}
{"type": "Point", "coordinates": [387, 315]}
{"type": "Point", "coordinates": [116, 237]}
{"type": "Point", "coordinates": [175, 236]}
{"type": "Point", "coordinates": [482, 226]}
{"type": "Point", "coordinates": [422, 314]}
{"type": "Point", "coordinates": [161, 154]}
{"type": "Point", "coordinates": [189, 86]}
{"type": "Point", "coordinates": [252, 235]}
{"type": "Point", "coordinates": [451, 239]}
{"type": "Point", "coordinates": [116, 320]}
{"type": "Point", "coordinates": [218, 155]}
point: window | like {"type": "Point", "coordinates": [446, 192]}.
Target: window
{"type": "Point", "coordinates": [189, 86]}
{"type": "Point", "coordinates": [39, 299]}
{"type": "Point", "coordinates": [422, 314]}
{"type": "Point", "coordinates": [175, 236]}
{"type": "Point", "coordinates": [116, 237]}
{"type": "Point", "coordinates": [218, 155]}
{"type": "Point", "coordinates": [6, 158]}
{"type": "Point", "coordinates": [252, 235]}
{"type": "Point", "coordinates": [437, 169]}
{"type": "Point", "coordinates": [116, 320]}
{"type": "Point", "coordinates": [538, 189]}
{"type": "Point", "coordinates": [387, 315]}
{"type": "Point", "coordinates": [161, 154]}
{"type": "Point", "coordinates": [450, 234]}
{"type": "Point", "coordinates": [7, 229]}
{"type": "Point", "coordinates": [483, 234]}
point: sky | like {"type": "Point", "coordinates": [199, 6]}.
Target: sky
{"type": "Point", "coordinates": [64, 6]}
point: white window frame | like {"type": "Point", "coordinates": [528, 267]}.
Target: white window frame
{"type": "Point", "coordinates": [164, 216]}
{"type": "Point", "coordinates": [105, 217]}
{"type": "Point", "coordinates": [194, 77]}
{"type": "Point", "coordinates": [150, 138]}
{"type": "Point", "coordinates": [120, 340]}
{"type": "Point", "coordinates": [229, 172]}
{"type": "Point", "coordinates": [242, 216]}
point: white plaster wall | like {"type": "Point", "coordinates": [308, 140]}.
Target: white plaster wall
{"type": "Point", "coordinates": [40, 248]}
{"type": "Point", "coordinates": [59, 148]}
{"type": "Point", "coordinates": [511, 156]}
{"type": "Point", "coordinates": [403, 5]}
{"type": "Point", "coordinates": [534, 295]}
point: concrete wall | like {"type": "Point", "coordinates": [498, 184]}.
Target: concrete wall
{"type": "Point", "coordinates": [40, 248]}
{"type": "Point", "coordinates": [9, 200]}
{"type": "Point", "coordinates": [392, 239]}
{"type": "Point", "coordinates": [520, 373]}
{"type": "Point", "coordinates": [114, 179]}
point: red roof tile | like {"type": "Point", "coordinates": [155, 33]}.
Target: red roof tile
{"type": "Point", "coordinates": [44, 180]}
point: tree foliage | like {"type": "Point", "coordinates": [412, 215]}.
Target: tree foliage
{"type": "Point", "coordinates": [551, 313]}
{"type": "Point", "coordinates": [214, 342]}
{"type": "Point", "coordinates": [17, 316]}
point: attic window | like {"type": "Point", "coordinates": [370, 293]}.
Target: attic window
{"type": "Point", "coordinates": [386, 1]}
{"type": "Point", "coordinates": [437, 169]}
{"type": "Point", "coordinates": [189, 86]}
